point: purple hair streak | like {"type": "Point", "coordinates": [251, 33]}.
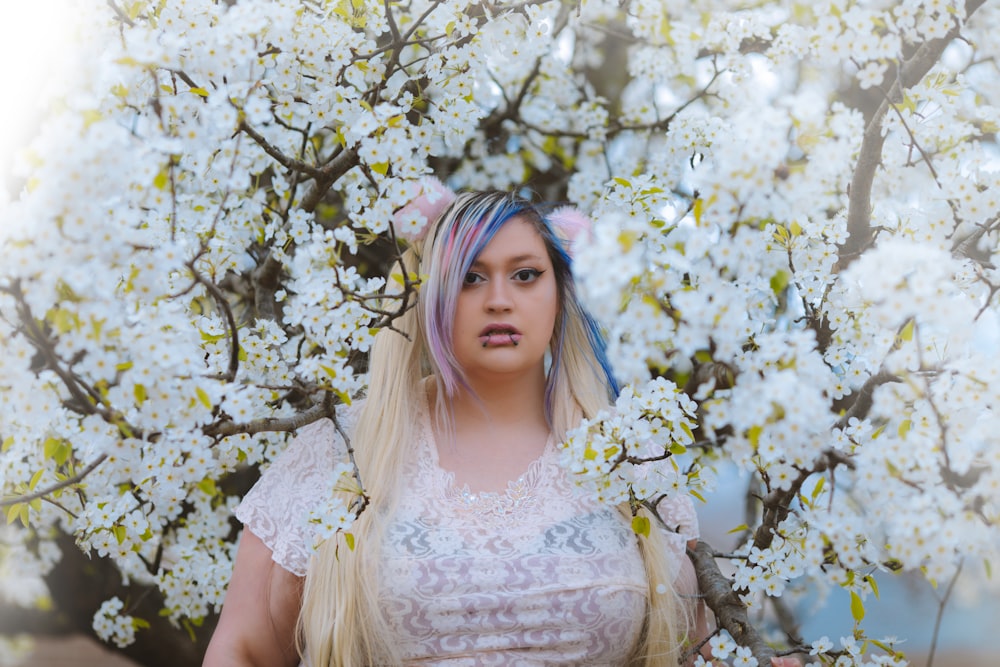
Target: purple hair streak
{"type": "Point", "coordinates": [457, 239]}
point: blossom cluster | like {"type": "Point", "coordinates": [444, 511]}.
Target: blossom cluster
{"type": "Point", "coordinates": [334, 515]}
{"type": "Point", "coordinates": [204, 232]}
{"type": "Point", "coordinates": [626, 454]}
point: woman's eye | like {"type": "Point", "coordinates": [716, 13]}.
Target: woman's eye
{"type": "Point", "coordinates": [527, 275]}
{"type": "Point", "coordinates": [472, 278]}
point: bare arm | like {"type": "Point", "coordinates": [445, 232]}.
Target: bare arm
{"type": "Point", "coordinates": [257, 624]}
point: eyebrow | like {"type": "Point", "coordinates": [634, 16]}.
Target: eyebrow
{"type": "Point", "coordinates": [517, 259]}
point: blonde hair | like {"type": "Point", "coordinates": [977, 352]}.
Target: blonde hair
{"type": "Point", "coordinates": [340, 623]}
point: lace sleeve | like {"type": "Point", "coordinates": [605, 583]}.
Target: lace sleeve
{"type": "Point", "coordinates": [679, 515]}
{"type": "Point", "coordinates": [277, 507]}
{"type": "Point", "coordinates": [681, 522]}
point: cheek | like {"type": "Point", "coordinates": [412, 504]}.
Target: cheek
{"type": "Point", "coordinates": [552, 306]}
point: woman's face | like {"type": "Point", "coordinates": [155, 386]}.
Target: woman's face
{"type": "Point", "coordinates": [507, 306]}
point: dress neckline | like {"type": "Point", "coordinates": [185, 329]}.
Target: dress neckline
{"type": "Point", "coordinates": [513, 494]}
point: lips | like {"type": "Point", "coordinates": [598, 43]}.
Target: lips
{"type": "Point", "coordinates": [500, 334]}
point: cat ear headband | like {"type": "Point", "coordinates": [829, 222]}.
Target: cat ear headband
{"type": "Point", "coordinates": [570, 224]}
{"type": "Point", "coordinates": [433, 197]}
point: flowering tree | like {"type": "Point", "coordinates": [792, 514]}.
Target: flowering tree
{"type": "Point", "coordinates": [796, 211]}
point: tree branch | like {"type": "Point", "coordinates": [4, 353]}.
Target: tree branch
{"type": "Point", "coordinates": [729, 610]}
{"type": "Point", "coordinates": [859, 230]}
{"type": "Point", "coordinates": [297, 421]}
{"type": "Point", "coordinates": [288, 163]}
{"type": "Point", "coordinates": [863, 403]}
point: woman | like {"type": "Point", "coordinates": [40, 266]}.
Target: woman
{"type": "Point", "coordinates": [476, 548]}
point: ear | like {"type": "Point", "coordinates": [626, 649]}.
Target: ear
{"type": "Point", "coordinates": [570, 224]}
{"type": "Point", "coordinates": [431, 198]}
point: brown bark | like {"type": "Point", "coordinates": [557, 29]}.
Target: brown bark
{"type": "Point", "coordinates": [859, 229]}
{"type": "Point", "coordinates": [79, 584]}
{"type": "Point", "coordinates": [730, 612]}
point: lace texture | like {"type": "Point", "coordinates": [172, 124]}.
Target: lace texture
{"type": "Point", "coordinates": [276, 509]}
{"type": "Point", "coordinates": [535, 575]}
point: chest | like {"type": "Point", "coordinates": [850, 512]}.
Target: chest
{"type": "Point", "coordinates": [532, 571]}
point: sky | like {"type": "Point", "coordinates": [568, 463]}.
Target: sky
{"type": "Point", "coordinates": [906, 607]}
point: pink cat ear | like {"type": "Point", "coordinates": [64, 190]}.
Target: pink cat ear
{"type": "Point", "coordinates": [431, 198]}
{"type": "Point", "coordinates": [570, 224]}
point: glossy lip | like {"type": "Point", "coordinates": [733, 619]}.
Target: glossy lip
{"type": "Point", "coordinates": [500, 334]}
{"type": "Point", "coordinates": [500, 328]}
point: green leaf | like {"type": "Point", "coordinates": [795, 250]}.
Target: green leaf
{"type": "Point", "coordinates": [349, 538]}
{"type": "Point", "coordinates": [698, 209]}
{"type": "Point", "coordinates": [208, 486]}
{"type": "Point", "coordinates": [873, 585]}
{"type": "Point", "coordinates": [906, 333]}
{"type": "Point", "coordinates": [190, 629]}
{"type": "Point", "coordinates": [49, 447]}
{"type": "Point", "coordinates": [203, 397]}
{"type": "Point", "coordinates": [640, 525]}
{"type": "Point", "coordinates": [882, 646]}
{"type": "Point", "coordinates": [857, 607]}
{"type": "Point", "coordinates": [904, 427]}
{"type": "Point", "coordinates": [13, 511]}
{"type": "Point", "coordinates": [677, 448]}
{"type": "Point", "coordinates": [34, 480]}
{"type": "Point", "coordinates": [687, 430]}
{"type": "Point", "coordinates": [739, 529]}
{"type": "Point", "coordinates": [779, 281]}
{"type": "Point", "coordinates": [200, 92]}
{"type": "Point", "coordinates": [818, 489]}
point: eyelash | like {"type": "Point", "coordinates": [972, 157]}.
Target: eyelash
{"type": "Point", "coordinates": [472, 278]}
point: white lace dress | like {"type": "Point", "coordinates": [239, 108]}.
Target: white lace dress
{"type": "Point", "coordinates": [537, 575]}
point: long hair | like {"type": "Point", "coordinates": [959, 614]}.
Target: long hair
{"type": "Point", "coordinates": [340, 622]}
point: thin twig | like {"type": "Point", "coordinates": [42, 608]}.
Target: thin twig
{"type": "Point", "coordinates": [288, 163]}
{"type": "Point", "coordinates": [940, 615]}
{"type": "Point", "coordinates": [362, 500]}
{"type": "Point", "coordinates": [227, 310]}
{"type": "Point", "coordinates": [27, 498]}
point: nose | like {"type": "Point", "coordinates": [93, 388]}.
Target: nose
{"type": "Point", "coordinates": [498, 297]}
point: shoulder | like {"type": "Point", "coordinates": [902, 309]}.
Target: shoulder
{"type": "Point", "coordinates": [276, 509]}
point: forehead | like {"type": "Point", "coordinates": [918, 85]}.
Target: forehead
{"type": "Point", "coordinates": [517, 238]}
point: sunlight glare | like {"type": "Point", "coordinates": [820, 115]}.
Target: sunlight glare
{"type": "Point", "coordinates": [35, 39]}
